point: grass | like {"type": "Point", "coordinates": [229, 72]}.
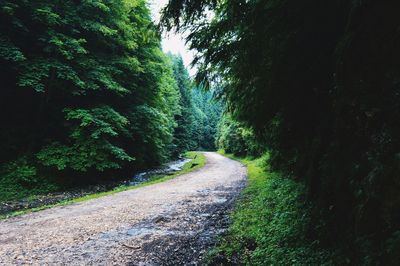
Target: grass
{"type": "Point", "coordinates": [269, 223]}
{"type": "Point", "coordinates": [198, 161]}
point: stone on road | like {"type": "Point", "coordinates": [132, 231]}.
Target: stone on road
{"type": "Point", "coordinates": [169, 223]}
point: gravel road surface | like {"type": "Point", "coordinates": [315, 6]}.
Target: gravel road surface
{"type": "Point", "coordinates": [171, 223]}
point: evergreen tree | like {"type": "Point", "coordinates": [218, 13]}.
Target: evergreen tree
{"type": "Point", "coordinates": [183, 135]}
{"type": "Point", "coordinates": [207, 112]}
{"type": "Point", "coordinates": [199, 113]}
{"type": "Point", "coordinates": [317, 82]}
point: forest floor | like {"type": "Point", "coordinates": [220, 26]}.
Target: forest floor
{"type": "Point", "coordinates": [171, 223]}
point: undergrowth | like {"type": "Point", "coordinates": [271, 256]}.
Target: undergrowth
{"type": "Point", "coordinates": [269, 223]}
{"type": "Point", "coordinates": [16, 189]}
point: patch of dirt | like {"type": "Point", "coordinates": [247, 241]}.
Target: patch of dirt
{"type": "Point", "coordinates": [171, 223]}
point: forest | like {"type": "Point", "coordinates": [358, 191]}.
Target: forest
{"type": "Point", "coordinates": [87, 94]}
{"type": "Point", "coordinates": [309, 89]}
{"type": "Point", "coordinates": [315, 84]}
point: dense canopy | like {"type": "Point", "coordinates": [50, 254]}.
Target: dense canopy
{"type": "Point", "coordinates": [311, 86]}
{"type": "Point", "coordinates": [88, 94]}
{"type": "Point", "coordinates": [317, 83]}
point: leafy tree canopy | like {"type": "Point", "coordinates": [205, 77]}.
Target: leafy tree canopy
{"type": "Point", "coordinates": [317, 83]}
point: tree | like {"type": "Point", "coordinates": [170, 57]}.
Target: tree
{"type": "Point", "coordinates": [317, 84]}
{"type": "Point", "coordinates": [199, 113]}
{"type": "Point", "coordinates": [85, 89]}
{"type": "Point", "coordinates": [234, 137]}
{"type": "Point", "coordinates": [183, 135]}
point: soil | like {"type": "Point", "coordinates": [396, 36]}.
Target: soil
{"type": "Point", "coordinates": [171, 223]}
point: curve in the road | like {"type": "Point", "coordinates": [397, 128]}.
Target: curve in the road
{"type": "Point", "coordinates": [133, 227]}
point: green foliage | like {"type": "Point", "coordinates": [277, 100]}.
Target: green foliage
{"type": "Point", "coordinates": [153, 123]}
{"type": "Point", "coordinates": [199, 113]}
{"type": "Point", "coordinates": [85, 89]}
{"type": "Point", "coordinates": [318, 84]}
{"type": "Point", "coordinates": [87, 94]}
{"type": "Point", "coordinates": [183, 135]}
{"type": "Point", "coordinates": [269, 224]}
{"type": "Point", "coordinates": [207, 113]}
{"type": "Point", "coordinates": [20, 171]}
{"type": "Point", "coordinates": [9, 52]}
{"type": "Point", "coordinates": [19, 179]}
{"type": "Point", "coordinates": [234, 137]}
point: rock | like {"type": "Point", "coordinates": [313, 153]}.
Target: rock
{"type": "Point", "coordinates": [160, 219]}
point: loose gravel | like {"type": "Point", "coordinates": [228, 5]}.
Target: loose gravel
{"type": "Point", "coordinates": [171, 223]}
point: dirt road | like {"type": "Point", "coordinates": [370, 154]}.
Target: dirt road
{"type": "Point", "coordinates": [170, 223]}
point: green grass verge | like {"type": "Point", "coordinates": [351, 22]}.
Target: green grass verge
{"type": "Point", "coordinates": [198, 161]}
{"type": "Point", "coordinates": [269, 223]}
